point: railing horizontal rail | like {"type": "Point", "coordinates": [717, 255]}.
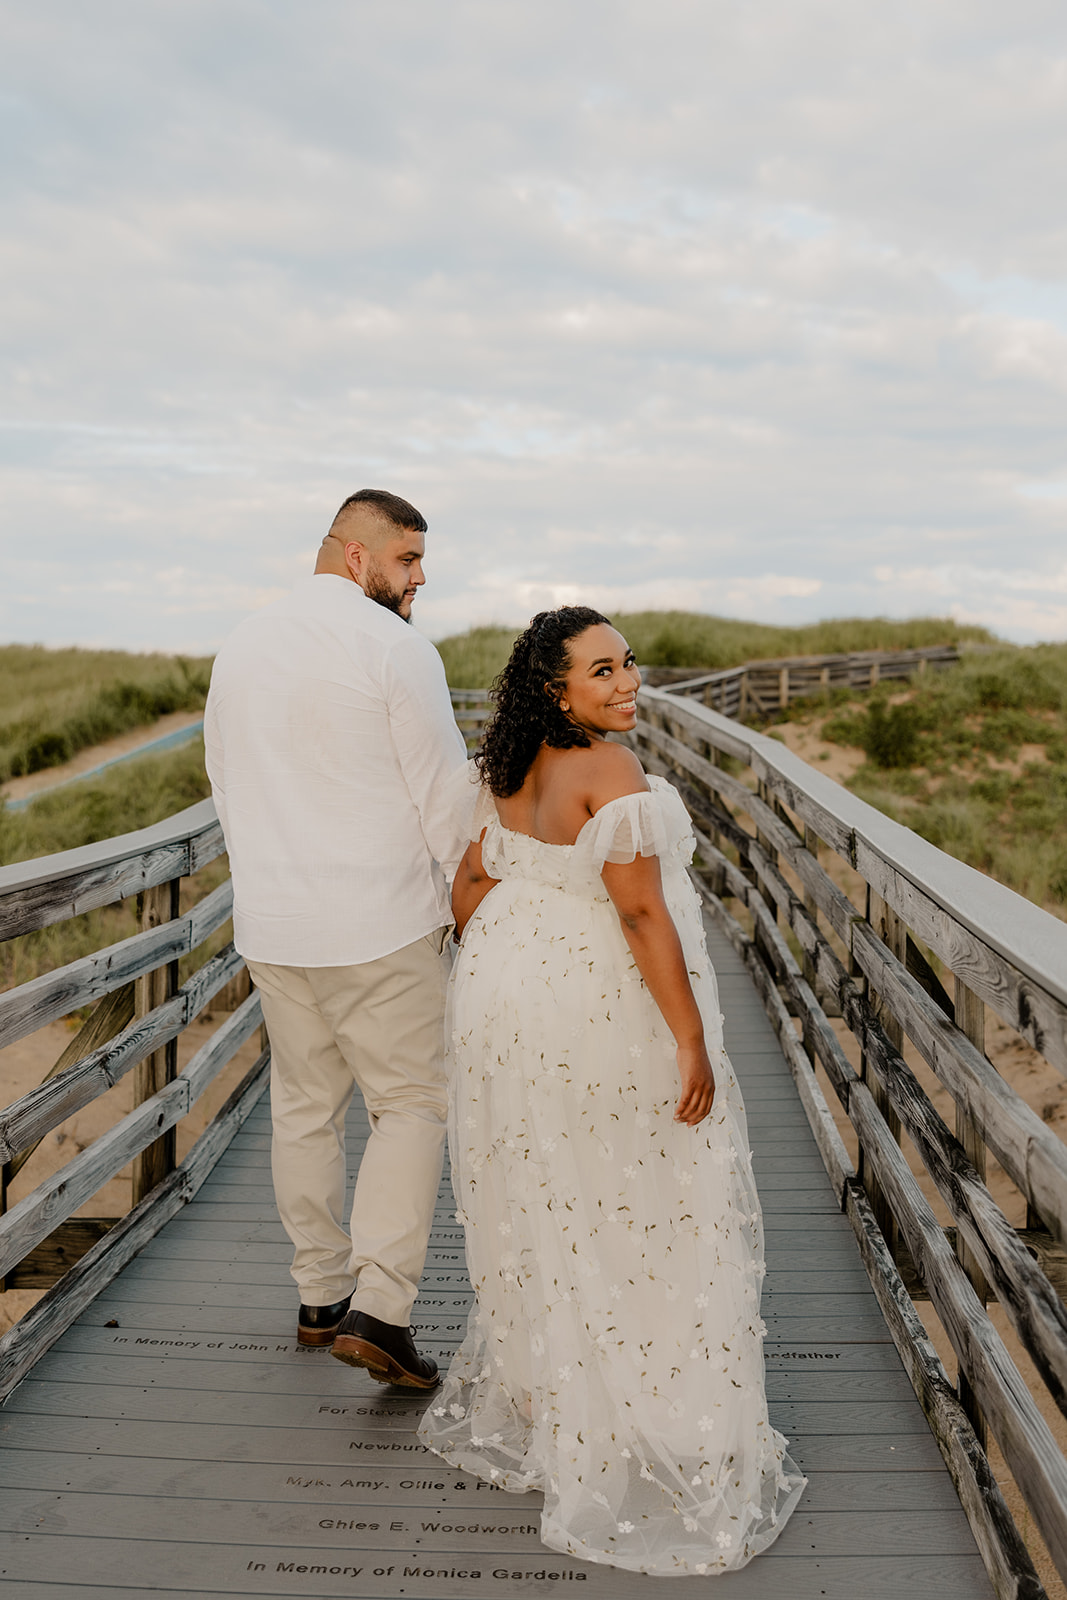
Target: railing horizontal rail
{"type": "Point", "coordinates": [56, 994]}
{"type": "Point", "coordinates": [34, 1218]}
{"type": "Point", "coordinates": [36, 1113]}
{"type": "Point", "coordinates": [37, 1331]}
{"type": "Point", "coordinates": [35, 894]}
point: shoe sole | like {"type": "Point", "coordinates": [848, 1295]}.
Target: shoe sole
{"type": "Point", "coordinates": [317, 1336]}
{"type": "Point", "coordinates": [361, 1353]}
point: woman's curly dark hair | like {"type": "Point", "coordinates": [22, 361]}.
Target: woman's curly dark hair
{"type": "Point", "coordinates": [526, 696]}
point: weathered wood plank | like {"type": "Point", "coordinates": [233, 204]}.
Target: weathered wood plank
{"type": "Point", "coordinates": [28, 1119]}
{"type": "Point", "coordinates": [35, 894]}
{"type": "Point", "coordinates": [1035, 1309]}
{"type": "Point", "coordinates": [1003, 1551]}
{"type": "Point", "coordinates": [1028, 1151]}
{"type": "Point", "coordinates": [21, 1346]}
{"type": "Point", "coordinates": [915, 1490]}
{"type": "Point", "coordinates": [127, 1563]}
{"type": "Point", "coordinates": [65, 1246]}
{"type": "Point", "coordinates": [33, 1218]}
{"type": "Point", "coordinates": [82, 982]}
{"type": "Point", "coordinates": [1023, 1435]}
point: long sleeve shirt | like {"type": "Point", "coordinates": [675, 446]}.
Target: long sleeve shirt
{"type": "Point", "coordinates": [334, 760]}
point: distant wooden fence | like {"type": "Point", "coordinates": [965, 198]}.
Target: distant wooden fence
{"type": "Point", "coordinates": [917, 954]}
{"type": "Point", "coordinates": [758, 688]}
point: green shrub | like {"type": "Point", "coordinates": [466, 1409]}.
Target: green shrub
{"type": "Point", "coordinates": [891, 733]}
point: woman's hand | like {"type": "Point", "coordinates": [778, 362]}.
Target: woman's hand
{"type": "Point", "coordinates": [470, 888]}
{"type": "Point", "coordinates": [698, 1084]}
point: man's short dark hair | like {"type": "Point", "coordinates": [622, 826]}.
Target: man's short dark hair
{"type": "Point", "coordinates": [390, 506]}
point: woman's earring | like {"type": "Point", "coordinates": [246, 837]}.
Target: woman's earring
{"type": "Point", "coordinates": [563, 706]}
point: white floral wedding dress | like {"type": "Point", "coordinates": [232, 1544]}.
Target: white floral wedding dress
{"type": "Point", "coordinates": [613, 1358]}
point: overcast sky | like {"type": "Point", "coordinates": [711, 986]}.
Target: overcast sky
{"type": "Point", "coordinates": [757, 308]}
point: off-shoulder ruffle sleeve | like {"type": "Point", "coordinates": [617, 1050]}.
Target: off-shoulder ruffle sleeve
{"type": "Point", "coordinates": [652, 823]}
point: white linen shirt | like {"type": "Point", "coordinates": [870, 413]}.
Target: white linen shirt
{"type": "Point", "coordinates": [334, 757]}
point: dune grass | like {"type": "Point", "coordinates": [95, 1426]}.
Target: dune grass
{"type": "Point", "coordinates": [54, 703]}
{"type": "Point", "coordinates": [689, 639]}
{"type": "Point", "coordinates": [973, 759]}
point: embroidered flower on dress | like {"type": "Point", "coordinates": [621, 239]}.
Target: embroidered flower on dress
{"type": "Point", "coordinates": [702, 1301]}
{"type": "Point", "coordinates": [724, 1540]}
{"type": "Point", "coordinates": [626, 1527]}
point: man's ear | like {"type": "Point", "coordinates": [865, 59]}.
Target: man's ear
{"type": "Point", "coordinates": [356, 559]}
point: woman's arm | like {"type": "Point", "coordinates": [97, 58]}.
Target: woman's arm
{"type": "Point", "coordinates": [637, 894]}
{"type": "Point", "coordinates": [472, 884]}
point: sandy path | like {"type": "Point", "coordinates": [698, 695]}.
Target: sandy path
{"type": "Point", "coordinates": [98, 754]}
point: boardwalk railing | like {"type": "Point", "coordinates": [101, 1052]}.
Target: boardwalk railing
{"type": "Point", "coordinates": [876, 956]}
{"type": "Point", "coordinates": [759, 688]}
{"type": "Point", "coordinates": [138, 1010]}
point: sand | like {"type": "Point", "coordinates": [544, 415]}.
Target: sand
{"type": "Point", "coordinates": [98, 755]}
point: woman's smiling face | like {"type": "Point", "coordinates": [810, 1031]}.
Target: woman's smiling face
{"type": "Point", "coordinates": [600, 690]}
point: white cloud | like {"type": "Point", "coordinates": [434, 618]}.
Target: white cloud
{"type": "Point", "coordinates": [725, 307]}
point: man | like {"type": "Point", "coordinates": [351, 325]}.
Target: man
{"type": "Point", "coordinates": [332, 752]}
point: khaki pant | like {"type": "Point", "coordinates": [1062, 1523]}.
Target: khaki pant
{"type": "Point", "coordinates": [378, 1026]}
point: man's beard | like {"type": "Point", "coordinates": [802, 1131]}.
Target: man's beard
{"type": "Point", "coordinates": [376, 588]}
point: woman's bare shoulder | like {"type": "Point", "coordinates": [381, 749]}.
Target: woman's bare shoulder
{"type": "Point", "coordinates": [612, 771]}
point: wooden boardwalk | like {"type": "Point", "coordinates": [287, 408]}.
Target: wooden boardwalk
{"type": "Point", "coordinates": [177, 1440]}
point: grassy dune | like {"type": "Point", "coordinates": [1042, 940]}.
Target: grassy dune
{"type": "Point", "coordinates": [973, 759]}
{"type": "Point", "coordinates": [54, 703]}
{"type": "Point", "coordinates": [688, 639]}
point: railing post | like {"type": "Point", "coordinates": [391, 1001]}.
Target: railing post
{"type": "Point", "coordinates": [783, 688]}
{"type": "Point", "coordinates": [811, 906]}
{"type": "Point", "coordinates": [970, 1019]}
{"type": "Point", "coordinates": [158, 1160]}
{"type": "Point", "coordinates": [893, 934]}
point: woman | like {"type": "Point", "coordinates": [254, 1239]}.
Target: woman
{"type": "Point", "coordinates": [599, 1153]}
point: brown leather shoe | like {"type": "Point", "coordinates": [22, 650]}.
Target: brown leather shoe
{"type": "Point", "coordinates": [318, 1324]}
{"type": "Point", "coordinates": [386, 1351]}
